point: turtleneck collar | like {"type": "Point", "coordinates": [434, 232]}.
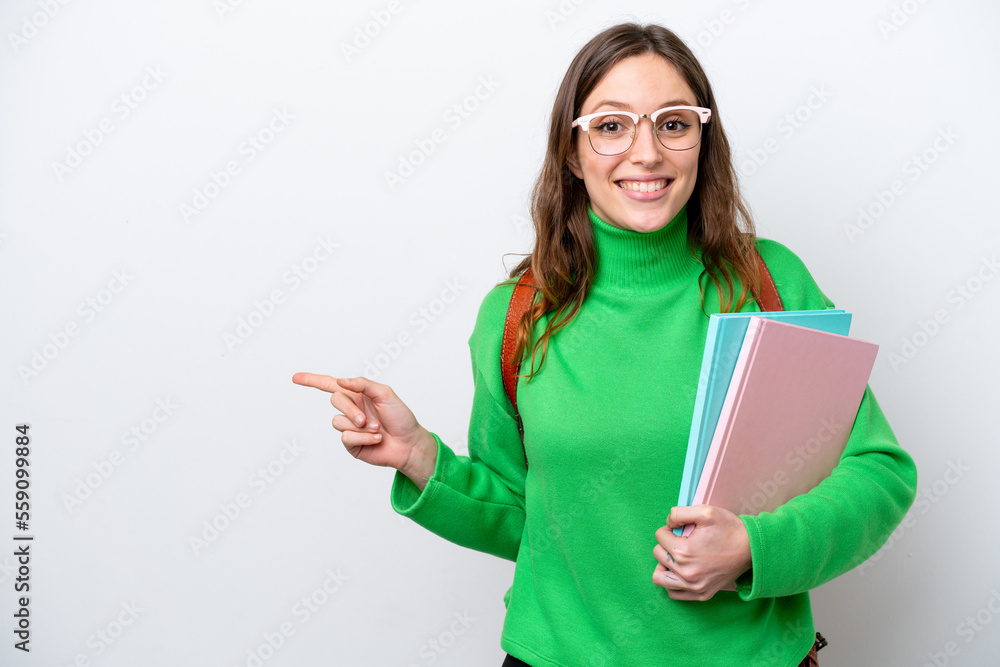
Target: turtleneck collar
{"type": "Point", "coordinates": [632, 263]}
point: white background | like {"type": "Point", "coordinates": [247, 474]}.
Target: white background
{"type": "Point", "coordinates": [894, 77]}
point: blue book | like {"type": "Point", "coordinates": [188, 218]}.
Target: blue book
{"type": "Point", "coordinates": [722, 347]}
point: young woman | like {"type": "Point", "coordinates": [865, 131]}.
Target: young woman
{"type": "Point", "coordinates": [640, 234]}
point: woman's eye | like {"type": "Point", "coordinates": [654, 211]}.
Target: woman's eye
{"type": "Point", "coordinates": [674, 126]}
{"type": "Point", "coordinates": [610, 126]}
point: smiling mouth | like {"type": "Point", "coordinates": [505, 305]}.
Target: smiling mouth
{"type": "Point", "coordinates": [643, 186]}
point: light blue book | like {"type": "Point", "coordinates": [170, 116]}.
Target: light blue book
{"type": "Point", "coordinates": [722, 347]}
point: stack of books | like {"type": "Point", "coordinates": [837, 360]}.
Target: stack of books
{"type": "Point", "coordinates": [776, 401]}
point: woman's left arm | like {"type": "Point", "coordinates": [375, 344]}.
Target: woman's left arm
{"type": "Point", "coordinates": [814, 537]}
{"type": "Point", "coordinates": [839, 524]}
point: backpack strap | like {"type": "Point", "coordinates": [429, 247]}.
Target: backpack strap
{"type": "Point", "coordinates": [520, 301]}
{"type": "Point", "coordinates": [768, 299]}
{"type": "Point", "coordinates": [524, 295]}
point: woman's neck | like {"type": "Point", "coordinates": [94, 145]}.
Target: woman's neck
{"type": "Point", "coordinates": [631, 262]}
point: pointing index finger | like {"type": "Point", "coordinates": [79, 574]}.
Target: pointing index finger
{"type": "Point", "coordinates": [322, 382]}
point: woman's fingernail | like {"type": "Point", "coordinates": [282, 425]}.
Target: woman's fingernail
{"type": "Point", "coordinates": [358, 420]}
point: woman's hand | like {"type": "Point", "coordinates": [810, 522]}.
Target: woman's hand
{"type": "Point", "coordinates": [709, 560]}
{"type": "Point", "coordinates": [377, 427]}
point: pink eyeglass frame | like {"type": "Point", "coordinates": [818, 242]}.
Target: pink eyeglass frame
{"type": "Point", "coordinates": [584, 121]}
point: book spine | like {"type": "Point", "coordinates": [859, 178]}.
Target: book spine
{"type": "Point", "coordinates": [737, 385]}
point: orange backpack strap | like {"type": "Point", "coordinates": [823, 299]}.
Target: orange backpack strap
{"type": "Point", "coordinates": [520, 301]}
{"type": "Point", "coordinates": [524, 295]}
{"type": "Point", "coordinates": [768, 299]}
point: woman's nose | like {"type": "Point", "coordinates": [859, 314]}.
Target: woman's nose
{"type": "Point", "coordinates": [645, 146]}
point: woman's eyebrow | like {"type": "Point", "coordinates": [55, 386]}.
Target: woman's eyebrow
{"type": "Point", "coordinates": [676, 103]}
{"type": "Point", "coordinates": [613, 103]}
{"type": "Point", "coordinates": [628, 107]}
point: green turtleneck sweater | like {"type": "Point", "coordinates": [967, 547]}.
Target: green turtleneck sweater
{"type": "Point", "coordinates": [606, 423]}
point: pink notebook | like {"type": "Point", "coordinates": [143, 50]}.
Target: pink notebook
{"type": "Point", "coordinates": [788, 413]}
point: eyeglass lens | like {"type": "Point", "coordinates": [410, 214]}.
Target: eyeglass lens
{"type": "Point", "coordinates": [613, 133]}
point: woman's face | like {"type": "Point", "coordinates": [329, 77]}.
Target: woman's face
{"type": "Point", "coordinates": [641, 84]}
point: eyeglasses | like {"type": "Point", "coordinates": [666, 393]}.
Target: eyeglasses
{"type": "Point", "coordinates": [613, 132]}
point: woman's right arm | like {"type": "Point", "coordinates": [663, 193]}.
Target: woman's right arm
{"type": "Point", "coordinates": [476, 501]}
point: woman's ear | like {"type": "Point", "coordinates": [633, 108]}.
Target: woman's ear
{"type": "Point", "coordinates": [573, 161]}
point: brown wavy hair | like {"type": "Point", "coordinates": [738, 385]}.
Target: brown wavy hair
{"type": "Point", "coordinates": [563, 259]}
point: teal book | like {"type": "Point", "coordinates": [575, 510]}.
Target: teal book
{"type": "Point", "coordinates": [722, 347]}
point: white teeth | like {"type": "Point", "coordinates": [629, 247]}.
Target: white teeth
{"type": "Point", "coordinates": [642, 186]}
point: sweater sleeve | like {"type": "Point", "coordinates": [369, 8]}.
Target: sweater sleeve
{"type": "Point", "coordinates": [476, 501]}
{"type": "Point", "coordinates": [819, 535]}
